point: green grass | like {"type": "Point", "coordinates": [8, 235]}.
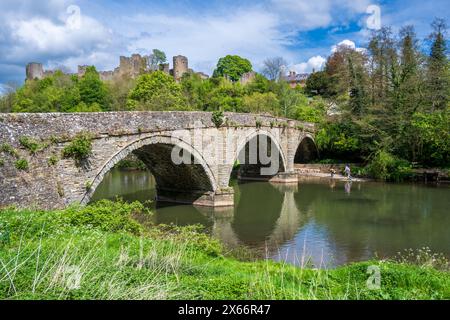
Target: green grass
{"type": "Point", "coordinates": [101, 252]}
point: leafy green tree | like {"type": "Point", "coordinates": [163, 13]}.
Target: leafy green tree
{"type": "Point", "coordinates": [358, 102]}
{"type": "Point", "coordinates": [156, 91]}
{"type": "Point", "coordinates": [432, 137]}
{"type": "Point", "coordinates": [156, 58]}
{"type": "Point", "coordinates": [56, 93]}
{"type": "Point", "coordinates": [261, 103]}
{"type": "Point", "coordinates": [311, 111]}
{"type": "Point", "coordinates": [8, 97]}
{"type": "Point", "coordinates": [318, 83]}
{"type": "Point", "coordinates": [226, 96]}
{"type": "Point", "coordinates": [196, 90]}
{"type": "Point", "coordinates": [232, 67]}
{"type": "Point", "coordinates": [438, 78]}
{"type": "Point", "coordinates": [260, 84]}
{"type": "Point", "coordinates": [92, 89]}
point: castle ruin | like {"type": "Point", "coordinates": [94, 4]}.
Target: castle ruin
{"type": "Point", "coordinates": [129, 67]}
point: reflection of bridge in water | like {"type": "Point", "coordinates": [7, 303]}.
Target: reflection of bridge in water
{"type": "Point", "coordinates": [263, 225]}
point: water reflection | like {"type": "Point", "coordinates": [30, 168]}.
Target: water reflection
{"type": "Point", "coordinates": [327, 223]}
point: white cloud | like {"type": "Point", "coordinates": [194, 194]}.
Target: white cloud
{"type": "Point", "coordinates": [314, 63]}
{"type": "Point", "coordinates": [349, 44]}
{"type": "Point", "coordinates": [44, 37]}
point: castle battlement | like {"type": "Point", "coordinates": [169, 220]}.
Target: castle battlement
{"type": "Point", "coordinates": [128, 67]}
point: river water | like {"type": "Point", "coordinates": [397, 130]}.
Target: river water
{"type": "Point", "coordinates": [320, 222]}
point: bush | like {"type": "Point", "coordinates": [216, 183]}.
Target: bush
{"type": "Point", "coordinates": [217, 118]}
{"type": "Point", "coordinates": [6, 148]}
{"type": "Point", "coordinates": [30, 144]}
{"type": "Point", "coordinates": [53, 160]}
{"type": "Point", "coordinates": [21, 164]}
{"type": "Point", "coordinates": [107, 216]}
{"type": "Point", "coordinates": [80, 148]}
{"type": "Point", "coordinates": [386, 166]}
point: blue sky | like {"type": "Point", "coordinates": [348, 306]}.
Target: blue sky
{"type": "Point", "coordinates": [301, 31]}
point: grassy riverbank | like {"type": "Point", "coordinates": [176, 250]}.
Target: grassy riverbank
{"type": "Point", "coordinates": [100, 252]}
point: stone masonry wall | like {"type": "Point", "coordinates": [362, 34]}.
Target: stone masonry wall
{"type": "Point", "coordinates": [115, 135]}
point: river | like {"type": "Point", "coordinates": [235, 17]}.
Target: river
{"type": "Point", "coordinates": [319, 222]}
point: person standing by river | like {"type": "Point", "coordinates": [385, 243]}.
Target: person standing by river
{"type": "Point", "coordinates": [348, 172]}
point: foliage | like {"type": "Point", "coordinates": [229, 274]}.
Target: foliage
{"type": "Point", "coordinates": [156, 58]}
{"type": "Point", "coordinates": [432, 137]}
{"type": "Point", "coordinates": [261, 103]}
{"type": "Point", "coordinates": [217, 118]}
{"type": "Point", "coordinates": [131, 163]}
{"type": "Point", "coordinates": [93, 90]}
{"type": "Point", "coordinates": [21, 164]}
{"type": "Point", "coordinates": [386, 166]}
{"type": "Point", "coordinates": [339, 140]}
{"type": "Point", "coordinates": [31, 145]}
{"type": "Point", "coordinates": [107, 215]}
{"type": "Point", "coordinates": [7, 148]}
{"type": "Point", "coordinates": [63, 93]}
{"type": "Point", "coordinates": [53, 160]}
{"type": "Point", "coordinates": [80, 148]}
{"type": "Point", "coordinates": [438, 71]}
{"type": "Point", "coordinates": [317, 83]}
{"type": "Point", "coordinates": [156, 91]}
{"type": "Point", "coordinates": [232, 67]}
{"type": "Point", "coordinates": [311, 111]}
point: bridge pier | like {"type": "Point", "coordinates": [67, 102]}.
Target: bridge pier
{"type": "Point", "coordinates": [220, 198]}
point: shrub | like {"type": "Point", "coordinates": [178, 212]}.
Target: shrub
{"type": "Point", "coordinates": [21, 164]}
{"type": "Point", "coordinates": [107, 216]}
{"type": "Point", "coordinates": [2, 162]}
{"type": "Point", "coordinates": [386, 166]}
{"type": "Point", "coordinates": [80, 148]}
{"type": "Point", "coordinates": [6, 148]}
{"type": "Point", "coordinates": [53, 160]}
{"type": "Point", "coordinates": [30, 144]}
{"type": "Point", "coordinates": [217, 118]}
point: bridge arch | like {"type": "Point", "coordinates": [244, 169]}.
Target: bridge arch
{"type": "Point", "coordinates": [155, 151]}
{"type": "Point", "coordinates": [306, 150]}
{"type": "Point", "coordinates": [243, 142]}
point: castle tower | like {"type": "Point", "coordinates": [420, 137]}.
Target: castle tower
{"type": "Point", "coordinates": [180, 67]}
{"type": "Point", "coordinates": [34, 70]}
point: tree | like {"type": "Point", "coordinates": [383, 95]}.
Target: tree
{"type": "Point", "coordinates": [289, 99]}
{"type": "Point", "coordinates": [7, 97]}
{"type": "Point", "coordinates": [261, 103]}
{"type": "Point", "coordinates": [358, 96]}
{"type": "Point", "coordinates": [156, 58]}
{"type": "Point", "coordinates": [232, 67]}
{"type": "Point", "coordinates": [92, 89]}
{"type": "Point", "coordinates": [156, 91]}
{"type": "Point", "coordinates": [273, 67]}
{"type": "Point", "coordinates": [438, 70]}
{"type": "Point", "coordinates": [318, 83]}
{"type": "Point", "coordinates": [56, 93]}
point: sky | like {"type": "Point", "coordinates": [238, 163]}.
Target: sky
{"type": "Point", "coordinates": [68, 33]}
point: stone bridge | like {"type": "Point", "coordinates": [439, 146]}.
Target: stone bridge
{"type": "Point", "coordinates": [39, 175]}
